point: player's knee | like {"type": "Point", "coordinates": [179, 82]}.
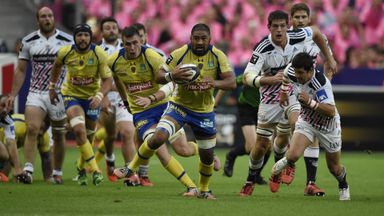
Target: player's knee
{"type": "Point", "coordinates": [283, 129]}
{"type": "Point", "coordinates": [33, 129]}
{"type": "Point", "coordinates": [4, 155]}
{"type": "Point", "coordinates": [335, 169]}
{"type": "Point", "coordinates": [166, 127]}
{"type": "Point", "coordinates": [264, 134]}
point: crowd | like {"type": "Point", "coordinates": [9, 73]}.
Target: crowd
{"type": "Point", "coordinates": [354, 28]}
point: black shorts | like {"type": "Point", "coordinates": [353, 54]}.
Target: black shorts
{"type": "Point", "coordinates": [247, 114]}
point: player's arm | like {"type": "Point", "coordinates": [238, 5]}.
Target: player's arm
{"type": "Point", "coordinates": [228, 78]}
{"type": "Point", "coordinates": [320, 107]}
{"type": "Point", "coordinates": [122, 90]}
{"type": "Point", "coordinates": [18, 80]}
{"type": "Point", "coordinates": [11, 146]}
{"type": "Point", "coordinates": [55, 74]}
{"type": "Point", "coordinates": [164, 92]}
{"type": "Point", "coordinates": [285, 87]}
{"type": "Point", "coordinates": [321, 42]}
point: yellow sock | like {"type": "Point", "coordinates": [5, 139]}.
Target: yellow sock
{"type": "Point", "coordinates": [100, 152]}
{"type": "Point", "coordinates": [195, 146]}
{"type": "Point", "coordinates": [142, 156]}
{"type": "Point", "coordinates": [205, 173]}
{"type": "Point", "coordinates": [80, 163]}
{"type": "Point", "coordinates": [87, 154]}
{"type": "Point", "coordinates": [175, 168]}
{"type": "Point", "coordinates": [100, 134]}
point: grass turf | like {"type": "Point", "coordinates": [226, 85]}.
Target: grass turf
{"type": "Point", "coordinates": [365, 176]}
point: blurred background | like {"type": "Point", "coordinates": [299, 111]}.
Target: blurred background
{"type": "Point", "coordinates": [354, 28]}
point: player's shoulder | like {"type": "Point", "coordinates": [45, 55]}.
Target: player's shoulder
{"type": "Point", "coordinates": [318, 80]}
{"type": "Point", "coordinates": [291, 74]}
{"type": "Point", "coordinates": [180, 51]}
{"type": "Point", "coordinates": [264, 46]}
{"type": "Point", "coordinates": [31, 37]}
{"type": "Point", "coordinates": [217, 51]}
{"type": "Point", "coordinates": [63, 36]}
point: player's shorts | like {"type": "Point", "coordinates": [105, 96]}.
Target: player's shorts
{"type": "Point", "coordinates": [146, 119]}
{"type": "Point", "coordinates": [330, 141]}
{"type": "Point", "coordinates": [274, 113]}
{"type": "Point", "coordinates": [247, 114]}
{"type": "Point", "coordinates": [91, 114]}
{"type": "Point", "coordinates": [202, 124]}
{"type": "Point", "coordinates": [55, 112]}
{"type": "Point", "coordinates": [118, 108]}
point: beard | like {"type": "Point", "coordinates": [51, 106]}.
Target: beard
{"type": "Point", "coordinates": [110, 38]}
{"type": "Point", "coordinates": [80, 48]}
{"type": "Point", "coordinates": [47, 28]}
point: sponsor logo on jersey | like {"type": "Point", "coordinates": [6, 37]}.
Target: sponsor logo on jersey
{"type": "Point", "coordinates": [141, 123]}
{"type": "Point", "coordinates": [254, 59]}
{"type": "Point", "coordinates": [172, 107]}
{"type": "Point", "coordinates": [206, 123]}
{"type": "Point", "coordinates": [81, 81]}
{"type": "Point", "coordinates": [198, 86]}
{"type": "Point", "coordinates": [138, 87]}
{"type": "Point", "coordinates": [321, 95]}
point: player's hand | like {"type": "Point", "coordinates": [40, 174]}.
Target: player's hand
{"type": "Point", "coordinates": [53, 97]}
{"type": "Point", "coordinates": [303, 98]}
{"type": "Point", "coordinates": [284, 99]}
{"type": "Point", "coordinates": [143, 101]}
{"type": "Point", "coordinates": [9, 103]}
{"type": "Point", "coordinates": [180, 74]}
{"type": "Point", "coordinates": [209, 81]}
{"type": "Point", "coordinates": [106, 105]}
{"type": "Point", "coordinates": [277, 78]}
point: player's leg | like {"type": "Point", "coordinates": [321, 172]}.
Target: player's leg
{"type": "Point", "coordinates": [3, 159]}
{"type": "Point", "coordinates": [45, 156]}
{"type": "Point", "coordinates": [126, 129]}
{"type": "Point", "coordinates": [311, 157]}
{"type": "Point", "coordinates": [34, 117]}
{"type": "Point", "coordinates": [59, 130]}
{"type": "Point", "coordinates": [98, 140]}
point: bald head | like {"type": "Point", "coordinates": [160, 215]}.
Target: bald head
{"type": "Point", "coordinates": [45, 20]}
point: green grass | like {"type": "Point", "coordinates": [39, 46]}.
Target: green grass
{"type": "Point", "coordinates": [365, 176]}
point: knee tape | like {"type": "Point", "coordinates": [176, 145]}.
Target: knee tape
{"type": "Point", "coordinates": [293, 108]}
{"type": "Point", "coordinates": [148, 134]}
{"type": "Point", "coordinates": [90, 132]}
{"type": "Point", "coordinates": [178, 134]}
{"type": "Point", "coordinates": [166, 125]}
{"type": "Point", "coordinates": [265, 132]}
{"type": "Point", "coordinates": [206, 144]}
{"type": "Point", "coordinates": [283, 129]}
{"type": "Point", "coordinates": [77, 120]}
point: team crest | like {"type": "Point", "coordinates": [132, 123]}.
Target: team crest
{"type": "Point", "coordinates": [211, 64]}
{"type": "Point", "coordinates": [90, 61]}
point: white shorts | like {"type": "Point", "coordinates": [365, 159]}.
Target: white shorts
{"type": "Point", "coordinates": [274, 113]}
{"type": "Point", "coordinates": [122, 113]}
{"type": "Point", "coordinates": [330, 141]}
{"type": "Point", "coordinates": [55, 112]}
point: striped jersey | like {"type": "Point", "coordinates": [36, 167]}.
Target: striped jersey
{"type": "Point", "coordinates": [42, 51]}
{"type": "Point", "coordinates": [319, 88]}
{"type": "Point", "coordinates": [268, 59]}
{"type": "Point", "coordinates": [110, 49]}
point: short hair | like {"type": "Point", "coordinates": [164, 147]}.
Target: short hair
{"type": "Point", "coordinates": [201, 27]}
{"type": "Point", "coordinates": [300, 7]}
{"type": "Point", "coordinates": [277, 15]}
{"type": "Point", "coordinates": [107, 19]}
{"type": "Point", "coordinates": [303, 60]}
{"type": "Point", "coordinates": [130, 31]}
{"type": "Point", "coordinates": [139, 26]}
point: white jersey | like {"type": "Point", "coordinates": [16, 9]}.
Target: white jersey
{"type": "Point", "coordinates": [41, 51]}
{"type": "Point", "coordinates": [268, 59]}
{"type": "Point", "coordinates": [110, 49]}
{"type": "Point", "coordinates": [9, 127]}
{"type": "Point", "coordinates": [319, 89]}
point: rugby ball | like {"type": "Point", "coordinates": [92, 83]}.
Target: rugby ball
{"type": "Point", "coordinates": [193, 73]}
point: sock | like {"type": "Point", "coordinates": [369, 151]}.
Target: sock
{"type": "Point", "coordinates": [57, 172]}
{"type": "Point", "coordinates": [311, 156]}
{"type": "Point", "coordinates": [239, 150]}
{"type": "Point", "coordinates": [342, 178]}
{"type": "Point", "coordinates": [255, 167]}
{"type": "Point", "coordinates": [87, 154]}
{"type": "Point", "coordinates": [311, 166]}
{"type": "Point", "coordinates": [266, 158]}
{"type": "Point", "coordinates": [279, 152]}
{"type": "Point", "coordinates": [175, 168]}
{"type": "Point", "coordinates": [100, 134]}
{"type": "Point", "coordinates": [100, 151]}
{"type": "Point", "coordinates": [110, 160]}
{"type": "Point", "coordinates": [143, 170]}
{"type": "Point", "coordinates": [205, 172]}
{"type": "Point", "coordinates": [28, 167]}
{"type": "Point", "coordinates": [142, 156]}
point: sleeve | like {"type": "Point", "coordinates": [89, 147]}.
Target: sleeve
{"type": "Point", "coordinates": [171, 62]}
{"type": "Point", "coordinates": [253, 71]}
{"type": "Point", "coordinates": [225, 66]}
{"type": "Point", "coordinates": [9, 128]}
{"type": "Point", "coordinates": [111, 61]}
{"type": "Point", "coordinates": [308, 33]}
{"type": "Point", "coordinates": [325, 94]}
{"type": "Point", "coordinates": [24, 50]}
{"type": "Point", "coordinates": [155, 59]}
{"type": "Point", "coordinates": [63, 51]}
{"type": "Point", "coordinates": [104, 70]}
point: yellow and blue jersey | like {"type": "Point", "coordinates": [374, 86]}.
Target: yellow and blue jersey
{"type": "Point", "coordinates": [138, 75]}
{"type": "Point", "coordinates": [84, 70]}
{"type": "Point", "coordinates": [198, 96]}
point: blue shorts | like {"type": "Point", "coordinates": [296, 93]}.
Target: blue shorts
{"type": "Point", "coordinates": [144, 120]}
{"type": "Point", "coordinates": [202, 124]}
{"type": "Point", "coordinates": [92, 114]}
